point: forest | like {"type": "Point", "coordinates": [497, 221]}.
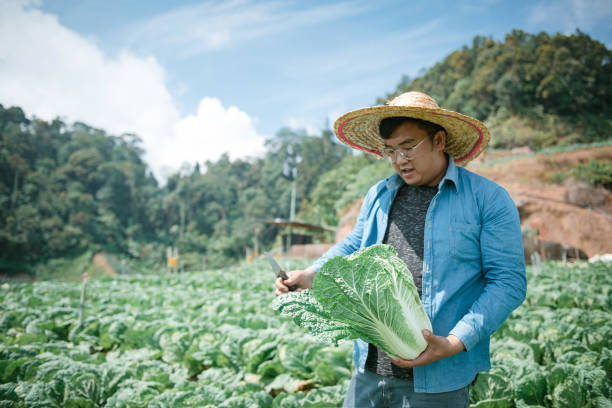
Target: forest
{"type": "Point", "coordinates": [68, 188]}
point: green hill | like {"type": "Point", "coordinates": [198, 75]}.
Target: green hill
{"type": "Point", "coordinates": [532, 90]}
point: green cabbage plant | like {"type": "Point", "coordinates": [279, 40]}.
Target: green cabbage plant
{"type": "Point", "coordinates": [368, 295]}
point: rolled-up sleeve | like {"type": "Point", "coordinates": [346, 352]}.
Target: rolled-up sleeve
{"type": "Point", "coordinates": [503, 265]}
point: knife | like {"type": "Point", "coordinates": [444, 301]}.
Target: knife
{"type": "Point", "coordinates": [278, 271]}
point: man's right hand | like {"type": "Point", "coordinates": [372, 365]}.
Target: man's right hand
{"type": "Point", "coordinates": [302, 278]}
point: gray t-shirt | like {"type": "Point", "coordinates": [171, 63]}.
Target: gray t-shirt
{"type": "Point", "coordinates": [405, 233]}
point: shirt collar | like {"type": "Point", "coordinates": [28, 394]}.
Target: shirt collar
{"type": "Point", "coordinates": [452, 173]}
{"type": "Point", "coordinates": [394, 182]}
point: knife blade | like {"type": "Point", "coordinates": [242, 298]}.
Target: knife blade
{"type": "Point", "coordinates": [278, 271]}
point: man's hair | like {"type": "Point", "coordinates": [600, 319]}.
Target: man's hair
{"type": "Point", "coordinates": [388, 126]}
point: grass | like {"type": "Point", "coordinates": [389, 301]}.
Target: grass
{"type": "Point", "coordinates": [551, 150]}
{"type": "Point", "coordinates": [68, 269]}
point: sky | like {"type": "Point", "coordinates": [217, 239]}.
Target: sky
{"type": "Point", "coordinates": [196, 79]}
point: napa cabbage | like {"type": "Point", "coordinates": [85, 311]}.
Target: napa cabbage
{"type": "Point", "coordinates": [368, 295]}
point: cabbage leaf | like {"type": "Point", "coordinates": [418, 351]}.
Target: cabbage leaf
{"type": "Point", "coordinates": [368, 295]}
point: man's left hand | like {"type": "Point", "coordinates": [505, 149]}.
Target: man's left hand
{"type": "Point", "coordinates": [438, 347]}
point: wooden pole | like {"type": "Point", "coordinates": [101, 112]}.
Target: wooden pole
{"type": "Point", "coordinates": [85, 278]}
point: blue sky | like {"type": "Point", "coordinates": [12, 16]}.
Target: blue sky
{"type": "Point", "coordinates": [197, 78]}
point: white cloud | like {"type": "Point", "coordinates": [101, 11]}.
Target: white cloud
{"type": "Point", "coordinates": [211, 25]}
{"type": "Point", "coordinates": [212, 131]}
{"type": "Point", "coordinates": [51, 71]}
{"type": "Point", "coordinates": [310, 125]}
{"type": "Point", "coordinates": [568, 15]}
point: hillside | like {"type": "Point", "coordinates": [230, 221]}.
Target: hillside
{"type": "Point", "coordinates": [552, 209]}
{"type": "Point", "coordinates": [571, 212]}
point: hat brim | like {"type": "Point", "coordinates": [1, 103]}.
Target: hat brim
{"type": "Point", "coordinates": [466, 137]}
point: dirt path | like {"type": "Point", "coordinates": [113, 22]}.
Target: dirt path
{"type": "Point", "coordinates": [101, 262]}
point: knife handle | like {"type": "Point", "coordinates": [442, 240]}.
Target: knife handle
{"type": "Point", "coordinates": [283, 276]}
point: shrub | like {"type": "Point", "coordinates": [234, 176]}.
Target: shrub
{"type": "Point", "coordinates": [596, 172]}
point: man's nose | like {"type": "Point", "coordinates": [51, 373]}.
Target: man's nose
{"type": "Point", "coordinates": [400, 158]}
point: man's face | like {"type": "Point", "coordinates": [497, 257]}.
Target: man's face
{"type": "Point", "coordinates": [428, 164]}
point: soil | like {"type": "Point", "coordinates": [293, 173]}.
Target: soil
{"type": "Point", "coordinates": [101, 262]}
{"type": "Point", "coordinates": [543, 204]}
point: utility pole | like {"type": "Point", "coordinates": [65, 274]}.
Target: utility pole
{"type": "Point", "coordinates": [293, 193]}
{"type": "Point", "coordinates": [290, 172]}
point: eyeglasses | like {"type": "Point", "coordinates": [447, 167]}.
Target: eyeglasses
{"type": "Point", "coordinates": [408, 154]}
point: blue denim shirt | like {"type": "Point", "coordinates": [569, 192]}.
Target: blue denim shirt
{"type": "Point", "coordinates": [473, 267]}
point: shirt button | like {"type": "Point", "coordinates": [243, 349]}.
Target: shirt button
{"type": "Point", "coordinates": [427, 244]}
{"type": "Point", "coordinates": [430, 223]}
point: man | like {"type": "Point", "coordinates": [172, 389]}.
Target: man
{"type": "Point", "coordinates": [459, 235]}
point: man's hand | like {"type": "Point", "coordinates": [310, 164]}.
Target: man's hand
{"type": "Point", "coordinates": [438, 347]}
{"type": "Point", "coordinates": [302, 278]}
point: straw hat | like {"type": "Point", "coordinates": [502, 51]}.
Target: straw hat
{"type": "Point", "coordinates": [466, 137]}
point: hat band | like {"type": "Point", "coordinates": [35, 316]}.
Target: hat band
{"type": "Point", "coordinates": [460, 159]}
{"type": "Point", "coordinates": [478, 143]}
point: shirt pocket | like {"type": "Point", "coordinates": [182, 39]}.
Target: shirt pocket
{"type": "Point", "coordinates": [465, 241]}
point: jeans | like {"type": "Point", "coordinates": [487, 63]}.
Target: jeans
{"type": "Point", "coordinates": [369, 389]}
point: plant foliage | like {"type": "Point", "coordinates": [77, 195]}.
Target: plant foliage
{"type": "Point", "coordinates": [210, 339]}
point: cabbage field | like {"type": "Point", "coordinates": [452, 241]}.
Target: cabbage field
{"type": "Point", "coordinates": [211, 339]}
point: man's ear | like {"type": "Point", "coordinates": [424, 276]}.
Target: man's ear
{"type": "Point", "coordinates": [439, 140]}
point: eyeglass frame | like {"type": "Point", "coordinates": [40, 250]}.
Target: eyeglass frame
{"type": "Point", "coordinates": [396, 151]}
